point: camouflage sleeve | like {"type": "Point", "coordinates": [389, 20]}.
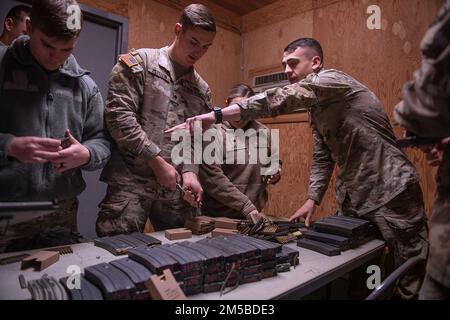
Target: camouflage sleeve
{"type": "Point", "coordinates": [424, 110]}
{"type": "Point", "coordinates": [321, 168]}
{"type": "Point", "coordinates": [301, 96]}
{"type": "Point", "coordinates": [217, 185]}
{"type": "Point", "coordinates": [298, 97]}
{"type": "Point", "coordinates": [125, 95]}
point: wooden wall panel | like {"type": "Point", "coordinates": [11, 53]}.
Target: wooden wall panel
{"type": "Point", "coordinates": [290, 193]}
{"type": "Point", "coordinates": [151, 24]}
{"type": "Point", "coordinates": [264, 47]}
{"type": "Point", "coordinates": [225, 18]}
{"type": "Point", "coordinates": [274, 13]}
{"type": "Point", "coordinates": [220, 67]}
{"type": "Point", "coordinates": [119, 7]}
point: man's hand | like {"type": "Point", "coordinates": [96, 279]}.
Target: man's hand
{"type": "Point", "coordinates": [206, 120]}
{"type": "Point", "coordinates": [34, 149]}
{"type": "Point", "coordinates": [165, 173]}
{"type": "Point", "coordinates": [306, 212]}
{"type": "Point", "coordinates": [193, 191]}
{"type": "Point", "coordinates": [255, 216]}
{"type": "Point", "coordinates": [435, 152]}
{"type": "Point", "coordinates": [74, 156]}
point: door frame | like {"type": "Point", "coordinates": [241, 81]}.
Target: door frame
{"type": "Point", "coordinates": [107, 19]}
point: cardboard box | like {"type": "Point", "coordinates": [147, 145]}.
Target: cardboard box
{"type": "Point", "coordinates": [179, 233]}
{"type": "Point", "coordinates": [40, 260]}
{"type": "Point", "coordinates": [223, 232]}
{"type": "Point", "coordinates": [164, 287]}
{"type": "Point", "coordinates": [227, 223]}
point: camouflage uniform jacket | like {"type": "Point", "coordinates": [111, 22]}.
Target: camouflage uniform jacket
{"type": "Point", "coordinates": [144, 101]}
{"type": "Point", "coordinates": [350, 129]}
{"type": "Point", "coordinates": [34, 102]}
{"type": "Point", "coordinates": [234, 190]}
{"type": "Point", "coordinates": [425, 111]}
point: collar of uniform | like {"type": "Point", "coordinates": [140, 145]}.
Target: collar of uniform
{"type": "Point", "coordinates": [166, 63]}
{"type": "Point", "coordinates": [2, 44]}
{"type": "Point", "coordinates": [21, 51]}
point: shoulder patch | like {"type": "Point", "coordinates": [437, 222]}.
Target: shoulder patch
{"type": "Point", "coordinates": [129, 60]}
{"type": "Point", "coordinates": [132, 60]}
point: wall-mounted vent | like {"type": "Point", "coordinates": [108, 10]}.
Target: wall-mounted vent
{"type": "Point", "coordinates": [267, 81]}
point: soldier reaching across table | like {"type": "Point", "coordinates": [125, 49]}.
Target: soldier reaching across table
{"type": "Point", "coordinates": [350, 128]}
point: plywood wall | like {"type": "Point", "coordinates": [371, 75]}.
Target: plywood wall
{"type": "Point", "coordinates": [290, 193]}
{"type": "Point", "coordinates": [382, 59]}
{"type": "Point", "coordinates": [264, 46]}
{"type": "Point", "coordinates": [151, 24]}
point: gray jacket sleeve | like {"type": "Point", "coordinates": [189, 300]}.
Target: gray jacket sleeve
{"type": "Point", "coordinates": [5, 140]}
{"type": "Point", "coordinates": [294, 98]}
{"type": "Point", "coordinates": [95, 136]}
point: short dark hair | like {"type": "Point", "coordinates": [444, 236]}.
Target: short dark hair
{"type": "Point", "coordinates": [305, 42]}
{"type": "Point", "coordinates": [17, 12]}
{"type": "Point", "coordinates": [51, 17]}
{"type": "Point", "coordinates": [239, 90]}
{"type": "Point", "coordinates": [198, 15]}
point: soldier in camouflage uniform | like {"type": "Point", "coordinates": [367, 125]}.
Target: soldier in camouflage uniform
{"type": "Point", "coordinates": [44, 96]}
{"type": "Point", "coordinates": [350, 128]}
{"type": "Point", "coordinates": [151, 90]}
{"type": "Point", "coordinates": [425, 112]}
{"type": "Point", "coordinates": [239, 189]}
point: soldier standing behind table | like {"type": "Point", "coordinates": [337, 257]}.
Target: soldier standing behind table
{"type": "Point", "coordinates": [239, 189]}
{"type": "Point", "coordinates": [151, 90]}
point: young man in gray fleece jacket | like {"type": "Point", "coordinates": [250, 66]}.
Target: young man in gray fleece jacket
{"type": "Point", "coordinates": [46, 96]}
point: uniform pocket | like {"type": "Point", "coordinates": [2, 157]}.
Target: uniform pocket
{"type": "Point", "coordinates": [111, 209]}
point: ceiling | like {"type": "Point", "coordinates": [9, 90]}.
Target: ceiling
{"type": "Point", "coordinates": [243, 7]}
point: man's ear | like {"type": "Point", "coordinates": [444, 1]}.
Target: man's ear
{"type": "Point", "coordinates": [316, 63]}
{"type": "Point", "coordinates": [178, 29]}
{"type": "Point", "coordinates": [29, 26]}
{"type": "Point", "coordinates": [9, 24]}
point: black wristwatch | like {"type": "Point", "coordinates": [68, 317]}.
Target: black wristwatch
{"type": "Point", "coordinates": [218, 114]}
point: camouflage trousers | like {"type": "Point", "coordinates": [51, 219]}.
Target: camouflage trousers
{"type": "Point", "coordinates": [437, 284]}
{"type": "Point", "coordinates": [402, 223]}
{"type": "Point", "coordinates": [41, 231]}
{"type": "Point", "coordinates": [122, 211]}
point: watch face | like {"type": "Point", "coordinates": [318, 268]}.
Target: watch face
{"type": "Point", "coordinates": [218, 114]}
